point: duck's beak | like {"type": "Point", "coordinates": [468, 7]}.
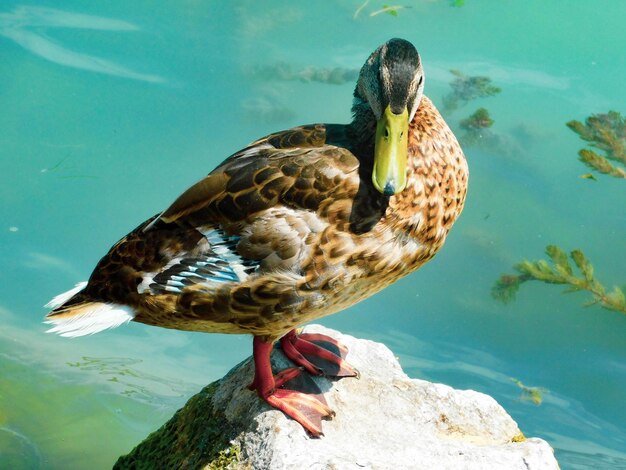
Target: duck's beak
{"type": "Point", "coordinates": [390, 152]}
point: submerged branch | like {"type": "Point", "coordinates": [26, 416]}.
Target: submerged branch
{"type": "Point", "coordinates": [560, 271]}
{"type": "Point", "coordinates": [466, 89]}
{"type": "Point", "coordinates": [600, 164]}
{"type": "Point", "coordinates": [606, 132]}
{"type": "Point", "coordinates": [533, 394]}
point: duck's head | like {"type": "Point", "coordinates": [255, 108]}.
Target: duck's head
{"type": "Point", "coordinates": [390, 85]}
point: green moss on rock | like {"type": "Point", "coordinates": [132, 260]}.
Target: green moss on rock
{"type": "Point", "coordinates": [192, 438]}
{"type": "Point", "coordinates": [228, 459]}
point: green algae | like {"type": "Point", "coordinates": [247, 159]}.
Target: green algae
{"type": "Point", "coordinates": [193, 438]}
{"type": "Point", "coordinates": [227, 459]}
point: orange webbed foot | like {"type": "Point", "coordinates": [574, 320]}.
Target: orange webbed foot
{"type": "Point", "coordinates": [300, 399]}
{"type": "Point", "coordinates": [318, 354]}
{"type": "Point", "coordinates": [292, 391]}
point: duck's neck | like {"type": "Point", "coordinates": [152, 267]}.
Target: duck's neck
{"type": "Point", "coordinates": [362, 129]}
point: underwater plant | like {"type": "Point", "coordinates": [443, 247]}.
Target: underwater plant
{"type": "Point", "coordinates": [533, 394]}
{"type": "Point", "coordinates": [466, 89]}
{"type": "Point", "coordinates": [65, 169]}
{"type": "Point", "coordinates": [477, 132]}
{"type": "Point", "coordinates": [560, 271]}
{"type": "Point", "coordinates": [606, 132]}
{"type": "Point", "coordinates": [389, 9]}
{"type": "Point", "coordinates": [131, 380]}
{"type": "Point", "coordinates": [286, 72]}
{"type": "Point", "coordinates": [479, 120]}
{"type": "Point", "coordinates": [476, 129]}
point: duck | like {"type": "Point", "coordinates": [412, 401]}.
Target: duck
{"type": "Point", "coordinates": [298, 225]}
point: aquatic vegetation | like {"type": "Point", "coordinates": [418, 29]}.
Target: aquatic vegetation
{"type": "Point", "coordinates": [286, 72]}
{"type": "Point", "coordinates": [49, 433]}
{"type": "Point", "coordinates": [479, 120]}
{"type": "Point", "coordinates": [359, 9]}
{"type": "Point", "coordinates": [389, 9]}
{"type": "Point", "coordinates": [477, 132]}
{"type": "Point", "coordinates": [133, 382]}
{"type": "Point", "coordinates": [466, 89]}
{"type": "Point", "coordinates": [533, 394]}
{"type": "Point", "coordinates": [54, 167]}
{"type": "Point", "coordinates": [393, 9]}
{"type": "Point", "coordinates": [560, 271]}
{"type": "Point", "coordinates": [606, 132]}
{"type": "Point", "coordinates": [62, 167]}
{"type": "Point", "coordinates": [226, 458]}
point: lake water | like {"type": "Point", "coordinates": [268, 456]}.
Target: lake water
{"type": "Point", "coordinates": [110, 110]}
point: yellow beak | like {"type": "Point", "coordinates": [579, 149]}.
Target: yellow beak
{"type": "Point", "coordinates": [390, 152]}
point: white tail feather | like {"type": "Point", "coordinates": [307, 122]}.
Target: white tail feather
{"type": "Point", "coordinates": [65, 296]}
{"type": "Point", "coordinates": [89, 318]}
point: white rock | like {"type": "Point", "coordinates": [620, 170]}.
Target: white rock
{"type": "Point", "coordinates": [384, 420]}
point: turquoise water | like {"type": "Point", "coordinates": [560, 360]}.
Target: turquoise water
{"type": "Point", "coordinates": [109, 111]}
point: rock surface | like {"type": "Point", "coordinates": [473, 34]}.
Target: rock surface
{"type": "Point", "coordinates": [385, 420]}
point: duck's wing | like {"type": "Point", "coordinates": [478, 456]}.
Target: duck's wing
{"type": "Point", "coordinates": [256, 211]}
{"type": "Point", "coordinates": [299, 169]}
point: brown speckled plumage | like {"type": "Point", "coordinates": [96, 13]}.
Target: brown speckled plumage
{"type": "Point", "coordinates": [324, 237]}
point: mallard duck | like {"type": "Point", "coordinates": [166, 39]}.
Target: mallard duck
{"type": "Point", "coordinates": [298, 225]}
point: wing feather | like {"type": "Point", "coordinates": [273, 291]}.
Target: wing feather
{"type": "Point", "coordinates": [296, 168]}
{"type": "Point", "coordinates": [256, 211]}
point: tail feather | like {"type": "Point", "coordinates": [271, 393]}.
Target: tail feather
{"type": "Point", "coordinates": [84, 317]}
{"type": "Point", "coordinates": [65, 296]}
